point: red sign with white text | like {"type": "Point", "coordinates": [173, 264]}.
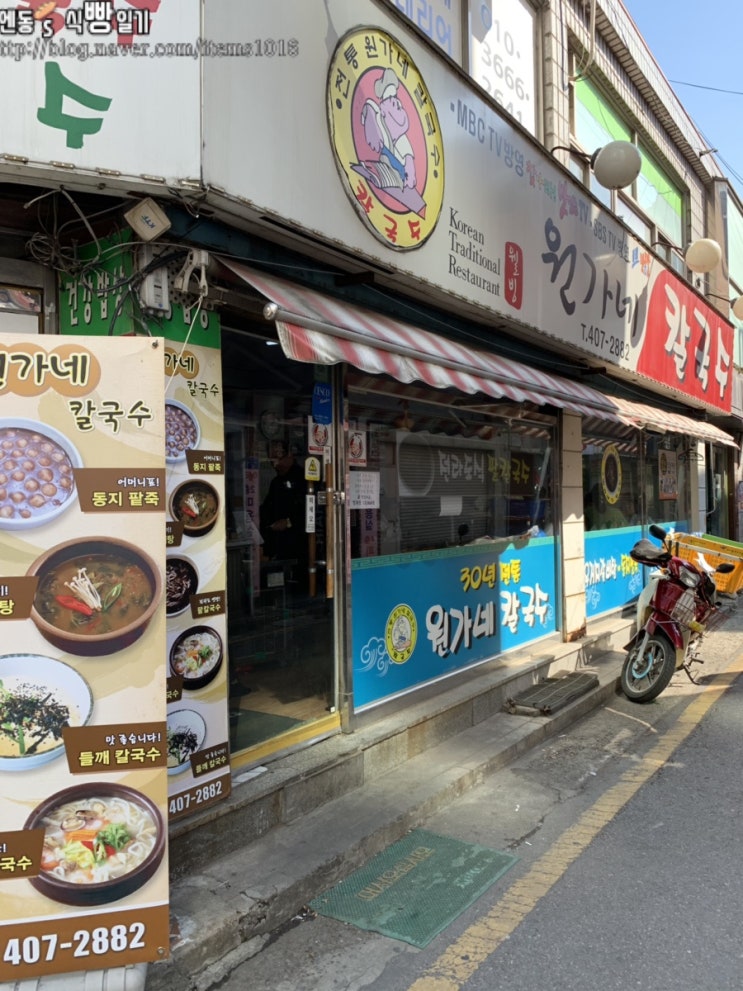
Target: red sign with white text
{"type": "Point", "coordinates": [687, 344]}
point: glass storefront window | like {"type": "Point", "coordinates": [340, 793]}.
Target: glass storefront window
{"type": "Point", "coordinates": [453, 554]}
{"type": "Point", "coordinates": [718, 517]}
{"type": "Point", "coordinates": [448, 477]}
{"type": "Point", "coordinates": [632, 479]}
{"type": "Point", "coordinates": [612, 492]}
{"type": "Point", "coordinates": [666, 479]}
{"type": "Point", "coordinates": [613, 510]}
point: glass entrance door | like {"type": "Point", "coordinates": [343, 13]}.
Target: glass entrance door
{"type": "Point", "coordinates": [279, 605]}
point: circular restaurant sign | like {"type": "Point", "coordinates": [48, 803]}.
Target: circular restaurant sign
{"type": "Point", "coordinates": [386, 137]}
{"type": "Point", "coordinates": [401, 633]}
{"type": "Point", "coordinates": [611, 474]}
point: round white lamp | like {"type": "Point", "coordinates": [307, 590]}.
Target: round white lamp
{"type": "Point", "coordinates": [617, 164]}
{"type": "Point", "coordinates": [703, 255]}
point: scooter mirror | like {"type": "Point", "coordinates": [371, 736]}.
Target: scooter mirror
{"type": "Point", "coordinates": [657, 531]}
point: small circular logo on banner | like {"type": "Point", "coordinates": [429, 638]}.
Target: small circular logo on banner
{"type": "Point", "coordinates": [401, 633]}
{"type": "Point", "coordinates": [386, 137]}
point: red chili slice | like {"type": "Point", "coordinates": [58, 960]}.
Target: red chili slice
{"type": "Point", "coordinates": [70, 602]}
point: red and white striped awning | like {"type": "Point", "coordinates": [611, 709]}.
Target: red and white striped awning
{"type": "Point", "coordinates": [642, 415]}
{"type": "Point", "coordinates": [320, 329]}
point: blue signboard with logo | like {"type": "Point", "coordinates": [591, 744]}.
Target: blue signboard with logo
{"type": "Point", "coordinates": [417, 617]}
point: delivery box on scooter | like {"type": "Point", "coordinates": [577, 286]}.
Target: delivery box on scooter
{"type": "Point", "coordinates": [714, 553]}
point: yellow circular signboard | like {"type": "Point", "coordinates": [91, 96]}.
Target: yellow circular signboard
{"type": "Point", "coordinates": [386, 137]}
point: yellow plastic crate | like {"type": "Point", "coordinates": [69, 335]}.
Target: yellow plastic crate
{"type": "Point", "coordinates": [685, 546]}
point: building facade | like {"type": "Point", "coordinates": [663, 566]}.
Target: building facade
{"type": "Point", "coordinates": [446, 378]}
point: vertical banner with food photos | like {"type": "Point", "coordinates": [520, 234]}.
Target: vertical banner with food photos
{"type": "Point", "coordinates": [198, 727]}
{"type": "Point", "coordinates": [83, 739]}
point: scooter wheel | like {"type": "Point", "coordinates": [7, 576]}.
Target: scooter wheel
{"type": "Point", "coordinates": [644, 676]}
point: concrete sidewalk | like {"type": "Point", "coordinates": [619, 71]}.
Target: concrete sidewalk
{"type": "Point", "coordinates": [324, 812]}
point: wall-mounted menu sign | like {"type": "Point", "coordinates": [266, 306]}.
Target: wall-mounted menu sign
{"type": "Point", "coordinates": [83, 740]}
{"type": "Point", "coordinates": [198, 721]}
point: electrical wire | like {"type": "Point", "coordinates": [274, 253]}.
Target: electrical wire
{"type": "Point", "coordinates": [715, 89]}
{"type": "Point", "coordinates": [46, 248]}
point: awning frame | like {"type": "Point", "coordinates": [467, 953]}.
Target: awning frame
{"type": "Point", "coordinates": [287, 319]}
{"type": "Point", "coordinates": [295, 326]}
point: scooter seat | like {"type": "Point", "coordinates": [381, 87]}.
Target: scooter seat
{"type": "Point", "coordinates": [645, 552]}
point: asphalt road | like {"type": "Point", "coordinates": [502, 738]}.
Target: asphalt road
{"type": "Point", "coordinates": [628, 831]}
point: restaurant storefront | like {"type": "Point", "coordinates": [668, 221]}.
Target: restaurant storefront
{"type": "Point", "coordinates": [445, 466]}
{"type": "Point", "coordinates": [635, 474]}
{"type": "Point", "coordinates": [419, 525]}
{"type": "Point", "coordinates": [574, 292]}
{"type": "Point", "coordinates": [383, 466]}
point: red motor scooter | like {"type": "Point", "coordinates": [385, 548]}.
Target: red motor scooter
{"type": "Point", "coordinates": [674, 610]}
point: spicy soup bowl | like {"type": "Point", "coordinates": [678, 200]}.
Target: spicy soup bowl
{"type": "Point", "coordinates": [127, 591]}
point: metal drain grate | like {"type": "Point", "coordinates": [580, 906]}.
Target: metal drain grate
{"type": "Point", "coordinates": [553, 693]}
{"type": "Point", "coordinates": [415, 888]}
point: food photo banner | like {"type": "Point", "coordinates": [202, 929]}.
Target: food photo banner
{"type": "Point", "coordinates": [198, 725]}
{"type": "Point", "coordinates": [83, 733]}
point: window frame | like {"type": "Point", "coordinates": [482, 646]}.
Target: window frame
{"type": "Point", "coordinates": [658, 240]}
{"type": "Point", "coordinates": [27, 275]}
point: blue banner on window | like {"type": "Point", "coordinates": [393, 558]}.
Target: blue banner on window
{"type": "Point", "coordinates": [417, 617]}
{"type": "Point", "coordinates": [612, 578]}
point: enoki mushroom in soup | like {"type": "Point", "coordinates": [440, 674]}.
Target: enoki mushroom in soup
{"type": "Point", "coordinates": [93, 594]}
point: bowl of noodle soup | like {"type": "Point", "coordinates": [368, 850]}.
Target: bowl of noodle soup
{"type": "Point", "coordinates": [196, 656]}
{"type": "Point", "coordinates": [102, 841]}
{"type": "Point", "coordinates": [181, 582]}
{"type": "Point", "coordinates": [96, 595]}
{"type": "Point", "coordinates": [39, 697]}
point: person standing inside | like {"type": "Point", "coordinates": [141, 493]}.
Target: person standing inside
{"type": "Point", "coordinates": [282, 511]}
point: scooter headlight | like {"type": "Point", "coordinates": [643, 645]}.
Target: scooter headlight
{"type": "Point", "coordinates": [688, 578]}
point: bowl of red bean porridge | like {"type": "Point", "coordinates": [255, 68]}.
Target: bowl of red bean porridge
{"type": "Point", "coordinates": [37, 480]}
{"type": "Point", "coordinates": [181, 430]}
